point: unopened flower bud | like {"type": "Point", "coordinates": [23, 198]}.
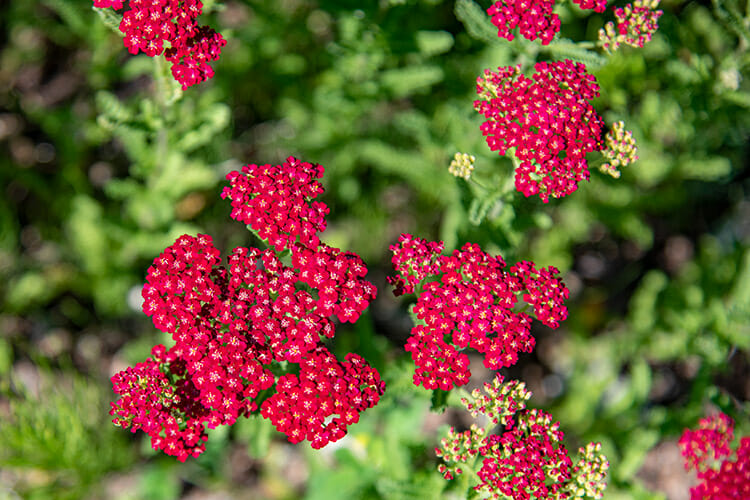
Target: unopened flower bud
{"type": "Point", "coordinates": [636, 23]}
{"type": "Point", "coordinates": [462, 165]}
{"type": "Point", "coordinates": [620, 150]}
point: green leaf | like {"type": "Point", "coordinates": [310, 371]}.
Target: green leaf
{"type": "Point", "coordinates": [476, 21]}
{"type": "Point", "coordinates": [411, 80]}
{"type": "Point", "coordinates": [70, 14]}
{"type": "Point", "coordinates": [216, 118]}
{"type": "Point", "coordinates": [728, 11]}
{"type": "Point", "coordinates": [705, 169]}
{"type": "Point", "coordinates": [739, 98]}
{"type": "Point", "coordinates": [563, 49]}
{"type": "Point", "coordinates": [111, 108]}
{"type": "Point", "coordinates": [110, 19]}
{"type": "Point", "coordinates": [480, 207]}
{"type": "Point", "coordinates": [431, 43]}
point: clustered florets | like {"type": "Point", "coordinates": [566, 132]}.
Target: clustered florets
{"type": "Point", "coordinates": [528, 459]}
{"type": "Point", "coordinates": [534, 18]}
{"type": "Point", "coordinates": [230, 324]}
{"type": "Point", "coordinates": [620, 149]}
{"type": "Point", "coordinates": [170, 27]}
{"type": "Point", "coordinates": [471, 303]}
{"type": "Point", "coordinates": [462, 165]}
{"type": "Point", "coordinates": [277, 202]}
{"type": "Point", "coordinates": [709, 446]}
{"type": "Point", "coordinates": [636, 24]}
{"type": "Point", "coordinates": [324, 387]}
{"type": "Point", "coordinates": [547, 119]}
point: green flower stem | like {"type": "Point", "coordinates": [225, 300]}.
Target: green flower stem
{"type": "Point", "coordinates": [481, 185]}
{"type": "Point", "coordinates": [162, 137]}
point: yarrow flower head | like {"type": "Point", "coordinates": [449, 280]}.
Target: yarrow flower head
{"type": "Point", "coordinates": [231, 324]}
{"type": "Point", "coordinates": [595, 5]}
{"type": "Point", "coordinates": [462, 165]}
{"type": "Point", "coordinates": [471, 302]}
{"type": "Point", "coordinates": [304, 404]}
{"type": "Point", "coordinates": [620, 149]}
{"type": "Point", "coordinates": [414, 259]}
{"type": "Point", "coordinates": [277, 202]}
{"type": "Point", "coordinates": [709, 442]}
{"type": "Point", "coordinates": [636, 24]}
{"type": "Point", "coordinates": [708, 450]}
{"type": "Point", "coordinates": [527, 459]}
{"type": "Point", "coordinates": [534, 18]}
{"type": "Point", "coordinates": [547, 119]}
{"type": "Point", "coordinates": [170, 27]}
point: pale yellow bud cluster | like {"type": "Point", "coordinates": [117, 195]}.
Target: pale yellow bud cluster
{"type": "Point", "coordinates": [620, 150]}
{"type": "Point", "coordinates": [458, 448]}
{"type": "Point", "coordinates": [636, 24]}
{"type": "Point", "coordinates": [589, 473]}
{"type": "Point", "coordinates": [462, 165]}
{"type": "Point", "coordinates": [499, 402]}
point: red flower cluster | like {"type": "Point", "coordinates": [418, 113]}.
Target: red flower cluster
{"type": "Point", "coordinates": [150, 24]}
{"type": "Point", "coordinates": [547, 119]}
{"type": "Point", "coordinates": [595, 5]}
{"type": "Point", "coordinates": [324, 387]}
{"type": "Point", "coordinates": [161, 398]}
{"type": "Point", "coordinates": [414, 259]}
{"type": "Point", "coordinates": [230, 324]}
{"type": "Point", "coordinates": [276, 201]}
{"type": "Point", "coordinates": [706, 446]}
{"type": "Point", "coordinates": [534, 18]}
{"type": "Point", "coordinates": [471, 304]}
{"type": "Point", "coordinates": [528, 459]}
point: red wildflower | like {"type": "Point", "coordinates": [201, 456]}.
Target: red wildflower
{"type": "Point", "coordinates": [304, 403]}
{"type": "Point", "coordinates": [168, 411]}
{"type": "Point", "coordinates": [534, 18]}
{"type": "Point", "coordinates": [471, 304]}
{"type": "Point", "coordinates": [230, 323]}
{"type": "Point", "coordinates": [527, 459]}
{"type": "Point", "coordinates": [704, 449]}
{"type": "Point", "coordinates": [413, 259]}
{"type": "Point", "coordinates": [547, 119]}
{"type": "Point", "coordinates": [277, 201]}
{"type": "Point", "coordinates": [150, 24]}
{"type": "Point", "coordinates": [595, 5]}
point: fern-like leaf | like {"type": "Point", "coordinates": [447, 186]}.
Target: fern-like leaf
{"type": "Point", "coordinates": [110, 19]}
{"type": "Point", "coordinates": [564, 49]}
{"type": "Point", "coordinates": [476, 21]}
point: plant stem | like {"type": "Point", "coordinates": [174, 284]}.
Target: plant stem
{"type": "Point", "coordinates": [162, 138]}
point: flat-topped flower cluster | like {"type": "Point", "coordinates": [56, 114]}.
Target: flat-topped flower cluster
{"type": "Point", "coordinates": [468, 300]}
{"type": "Point", "coordinates": [708, 450]}
{"type": "Point", "coordinates": [235, 325]}
{"type": "Point", "coordinates": [548, 121]}
{"type": "Point", "coordinates": [170, 27]}
{"type": "Point", "coordinates": [533, 18]}
{"type": "Point", "coordinates": [527, 459]}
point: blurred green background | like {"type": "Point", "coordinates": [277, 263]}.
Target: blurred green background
{"type": "Point", "coordinates": [104, 162]}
